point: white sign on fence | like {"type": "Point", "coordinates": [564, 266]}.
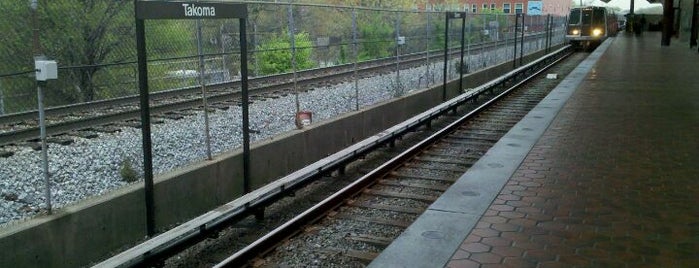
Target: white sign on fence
{"type": "Point", "coordinates": [535, 7]}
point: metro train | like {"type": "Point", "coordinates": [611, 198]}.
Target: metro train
{"type": "Point", "coordinates": [589, 26]}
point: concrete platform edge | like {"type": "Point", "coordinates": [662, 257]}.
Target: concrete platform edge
{"type": "Point", "coordinates": [433, 238]}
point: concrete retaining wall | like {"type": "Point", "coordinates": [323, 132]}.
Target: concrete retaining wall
{"type": "Point", "coordinates": [94, 229]}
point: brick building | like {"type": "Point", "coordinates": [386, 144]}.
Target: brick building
{"type": "Point", "coordinates": [542, 7]}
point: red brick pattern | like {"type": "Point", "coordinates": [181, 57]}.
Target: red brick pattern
{"type": "Point", "coordinates": [614, 181]}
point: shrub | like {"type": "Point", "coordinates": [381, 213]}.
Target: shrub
{"type": "Point", "coordinates": [275, 55]}
{"type": "Point", "coordinates": [128, 174]}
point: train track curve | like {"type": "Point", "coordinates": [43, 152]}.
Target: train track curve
{"type": "Point", "coordinates": [362, 219]}
{"type": "Point", "coordinates": [485, 124]}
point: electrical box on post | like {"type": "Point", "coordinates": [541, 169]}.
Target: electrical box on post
{"type": "Point", "coordinates": [401, 40]}
{"type": "Point", "coordinates": [46, 70]}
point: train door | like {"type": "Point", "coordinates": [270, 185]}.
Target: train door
{"type": "Point", "coordinates": [599, 22]}
{"type": "Point", "coordinates": [586, 22]}
{"type": "Point", "coordinates": [573, 30]}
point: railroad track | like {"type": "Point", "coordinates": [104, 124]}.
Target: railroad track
{"type": "Point", "coordinates": [98, 116]}
{"type": "Point", "coordinates": [89, 119]}
{"type": "Point", "coordinates": [358, 222]}
{"type": "Point", "coordinates": [175, 104]}
{"type": "Point", "coordinates": [355, 223]}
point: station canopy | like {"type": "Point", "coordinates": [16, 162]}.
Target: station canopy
{"type": "Point", "coordinates": [596, 3]}
{"type": "Point", "coordinates": [622, 6]}
{"type": "Point", "coordinates": [639, 7]}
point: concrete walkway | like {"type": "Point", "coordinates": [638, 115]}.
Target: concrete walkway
{"type": "Point", "coordinates": [614, 180]}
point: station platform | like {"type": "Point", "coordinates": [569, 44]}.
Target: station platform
{"type": "Point", "coordinates": [604, 172]}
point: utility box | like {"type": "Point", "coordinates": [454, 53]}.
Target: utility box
{"type": "Point", "coordinates": [46, 70]}
{"type": "Point", "coordinates": [401, 40]}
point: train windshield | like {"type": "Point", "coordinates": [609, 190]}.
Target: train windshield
{"type": "Point", "coordinates": [574, 17]}
{"type": "Point", "coordinates": [587, 17]}
{"type": "Point", "coordinates": [598, 18]}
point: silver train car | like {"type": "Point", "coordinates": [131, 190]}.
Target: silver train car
{"type": "Point", "coordinates": [590, 25]}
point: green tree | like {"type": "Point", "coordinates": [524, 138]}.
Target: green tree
{"type": "Point", "coordinates": [488, 25]}
{"type": "Point", "coordinates": [92, 41]}
{"type": "Point", "coordinates": [82, 33]}
{"type": "Point", "coordinates": [275, 54]}
{"type": "Point", "coordinates": [376, 36]}
{"type": "Point", "coordinates": [87, 33]}
{"type": "Point", "coordinates": [167, 39]}
{"type": "Point", "coordinates": [388, 4]}
{"type": "Point", "coordinates": [16, 56]}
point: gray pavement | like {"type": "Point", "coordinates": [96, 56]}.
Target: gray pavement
{"type": "Point", "coordinates": [612, 182]}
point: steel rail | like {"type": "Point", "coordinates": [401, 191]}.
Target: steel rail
{"type": "Point", "coordinates": [293, 226]}
{"type": "Point", "coordinates": [15, 136]}
{"type": "Point", "coordinates": [408, 59]}
{"type": "Point", "coordinates": [133, 99]}
{"type": "Point", "coordinates": [195, 230]}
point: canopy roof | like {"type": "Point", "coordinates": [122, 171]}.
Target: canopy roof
{"type": "Point", "coordinates": [622, 6]}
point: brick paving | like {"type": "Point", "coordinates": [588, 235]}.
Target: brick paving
{"type": "Point", "coordinates": [614, 180]}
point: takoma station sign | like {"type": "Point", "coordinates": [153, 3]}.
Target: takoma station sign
{"type": "Point", "coordinates": [188, 10]}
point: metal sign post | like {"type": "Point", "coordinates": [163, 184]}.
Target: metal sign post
{"type": "Point", "coordinates": [521, 47]}
{"type": "Point", "coordinates": [356, 59]}
{"type": "Point", "coordinates": [447, 17]}
{"type": "Point", "coordinates": [514, 57]}
{"type": "Point", "coordinates": [521, 42]}
{"type": "Point", "coordinates": [146, 10]}
{"type": "Point", "coordinates": [461, 55]}
{"type": "Point", "coordinates": [692, 28]}
{"type": "Point", "coordinates": [549, 26]}
{"type": "Point", "coordinates": [427, 55]}
{"type": "Point", "coordinates": [400, 41]}
{"type": "Point", "coordinates": [468, 46]}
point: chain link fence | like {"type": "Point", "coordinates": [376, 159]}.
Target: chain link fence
{"type": "Point", "coordinates": [93, 43]}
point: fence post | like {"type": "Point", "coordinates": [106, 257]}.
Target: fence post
{"type": "Point", "coordinates": [38, 55]}
{"type": "Point", "coordinates": [446, 56]}
{"type": "Point", "coordinates": [202, 83]}
{"type": "Point", "coordinates": [427, 57]}
{"type": "Point", "coordinates": [44, 149]}
{"type": "Point", "coordinates": [461, 56]}
{"type": "Point", "coordinates": [292, 33]}
{"type": "Point", "coordinates": [551, 33]}
{"type": "Point", "coordinates": [468, 45]}
{"type": "Point", "coordinates": [484, 39]}
{"type": "Point", "coordinates": [256, 62]}
{"type": "Point", "coordinates": [399, 89]}
{"type": "Point", "coordinates": [549, 24]}
{"type": "Point", "coordinates": [223, 53]}
{"type": "Point", "coordinates": [2, 100]}
{"type": "Point", "coordinates": [514, 57]}
{"type": "Point", "coordinates": [497, 38]}
{"type": "Point", "coordinates": [356, 58]}
{"type": "Point", "coordinates": [521, 43]}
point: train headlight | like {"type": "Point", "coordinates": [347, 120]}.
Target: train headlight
{"type": "Point", "coordinates": [575, 32]}
{"type": "Point", "coordinates": [597, 32]}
